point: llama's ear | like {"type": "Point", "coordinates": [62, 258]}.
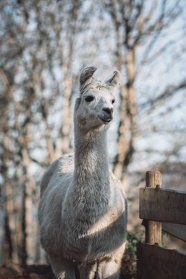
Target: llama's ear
{"type": "Point", "coordinates": [86, 76]}
{"type": "Point", "coordinates": [115, 80]}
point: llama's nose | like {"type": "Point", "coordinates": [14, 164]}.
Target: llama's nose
{"type": "Point", "coordinates": [107, 114]}
{"type": "Point", "coordinates": [108, 111]}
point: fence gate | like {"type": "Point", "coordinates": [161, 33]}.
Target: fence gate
{"type": "Point", "coordinates": [161, 209]}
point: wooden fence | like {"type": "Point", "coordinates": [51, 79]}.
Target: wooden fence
{"type": "Point", "coordinates": [161, 209]}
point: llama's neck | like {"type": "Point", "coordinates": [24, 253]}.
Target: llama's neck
{"type": "Point", "coordinates": [91, 174]}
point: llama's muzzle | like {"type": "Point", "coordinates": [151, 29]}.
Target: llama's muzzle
{"type": "Point", "coordinates": [106, 115]}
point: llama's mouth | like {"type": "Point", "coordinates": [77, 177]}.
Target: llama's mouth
{"type": "Point", "coordinates": [105, 120]}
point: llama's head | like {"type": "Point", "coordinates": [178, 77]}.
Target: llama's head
{"type": "Point", "coordinates": [95, 107]}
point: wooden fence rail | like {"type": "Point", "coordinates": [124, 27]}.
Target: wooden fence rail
{"type": "Point", "coordinates": [162, 205]}
{"type": "Point", "coordinates": [155, 262]}
{"type": "Point", "coordinates": [176, 230]}
{"type": "Point", "coordinates": [161, 209]}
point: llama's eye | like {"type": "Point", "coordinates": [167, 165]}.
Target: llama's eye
{"type": "Point", "coordinates": [113, 101]}
{"type": "Point", "coordinates": [89, 99]}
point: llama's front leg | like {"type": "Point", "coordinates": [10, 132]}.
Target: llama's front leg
{"type": "Point", "coordinates": [109, 270]}
{"type": "Point", "coordinates": [62, 268]}
{"type": "Point", "coordinates": [87, 271]}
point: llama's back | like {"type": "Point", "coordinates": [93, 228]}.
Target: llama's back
{"type": "Point", "coordinates": [54, 185]}
{"type": "Point", "coordinates": [58, 168]}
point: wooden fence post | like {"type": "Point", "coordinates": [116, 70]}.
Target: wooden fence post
{"type": "Point", "coordinates": [153, 230]}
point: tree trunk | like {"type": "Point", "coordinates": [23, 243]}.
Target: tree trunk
{"type": "Point", "coordinates": [9, 244]}
{"type": "Point", "coordinates": [126, 128]}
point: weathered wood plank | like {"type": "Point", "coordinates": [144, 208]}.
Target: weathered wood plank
{"type": "Point", "coordinates": [153, 230]}
{"type": "Point", "coordinates": [153, 178]}
{"type": "Point", "coordinates": [162, 205]}
{"type": "Point", "coordinates": [175, 229]}
{"type": "Point", "coordinates": [156, 262]}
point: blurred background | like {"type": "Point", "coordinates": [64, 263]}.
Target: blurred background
{"type": "Point", "coordinates": [43, 46]}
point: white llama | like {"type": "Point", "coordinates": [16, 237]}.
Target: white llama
{"type": "Point", "coordinates": [83, 210]}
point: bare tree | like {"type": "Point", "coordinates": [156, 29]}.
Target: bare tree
{"type": "Point", "coordinates": [36, 74]}
{"type": "Point", "coordinates": [138, 25]}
